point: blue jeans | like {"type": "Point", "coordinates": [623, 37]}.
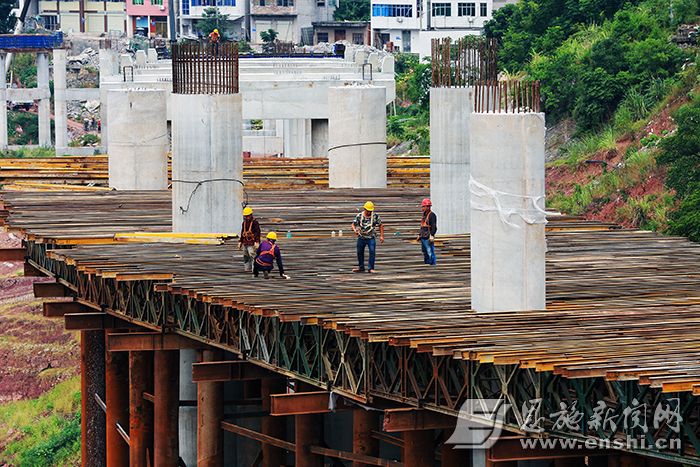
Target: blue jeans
{"type": "Point", "coordinates": [428, 251]}
{"type": "Point", "coordinates": [361, 244]}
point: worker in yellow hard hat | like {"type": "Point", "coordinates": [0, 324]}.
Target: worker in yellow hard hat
{"type": "Point", "coordinates": [214, 36]}
{"type": "Point", "coordinates": [267, 254]}
{"type": "Point", "coordinates": [365, 227]}
{"type": "Point", "coordinates": [249, 240]}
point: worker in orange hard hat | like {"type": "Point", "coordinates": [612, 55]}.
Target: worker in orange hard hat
{"type": "Point", "coordinates": [249, 239]}
{"type": "Point", "coordinates": [428, 229]}
{"type": "Point", "coordinates": [365, 227]}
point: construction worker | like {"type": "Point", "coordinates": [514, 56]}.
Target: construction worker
{"type": "Point", "coordinates": [365, 227]}
{"type": "Point", "coordinates": [428, 229]}
{"type": "Point", "coordinates": [214, 36]}
{"type": "Point", "coordinates": [268, 252]}
{"type": "Point", "coordinates": [249, 240]}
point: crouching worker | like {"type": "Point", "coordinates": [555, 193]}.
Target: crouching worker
{"type": "Point", "coordinates": [267, 254]}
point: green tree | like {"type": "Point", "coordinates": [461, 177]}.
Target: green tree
{"type": "Point", "coordinates": [352, 10]}
{"type": "Point", "coordinates": [269, 37]}
{"type": "Point", "coordinates": [212, 19]}
{"type": "Point", "coordinates": [681, 152]}
{"type": "Point", "coordinates": [7, 18]}
{"type": "Point", "coordinates": [597, 95]}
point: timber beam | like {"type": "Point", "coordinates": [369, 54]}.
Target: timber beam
{"type": "Point", "coordinates": [60, 309]}
{"type": "Point", "coordinates": [139, 341]}
{"type": "Point", "coordinates": [49, 289]}
{"type": "Point", "coordinates": [302, 403]}
{"type": "Point", "coordinates": [228, 370]}
{"type": "Point", "coordinates": [12, 254]}
{"type": "Point", "coordinates": [94, 321]}
{"type": "Point", "coordinates": [410, 419]}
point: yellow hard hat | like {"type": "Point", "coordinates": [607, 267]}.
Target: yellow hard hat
{"type": "Point", "coordinates": [369, 206]}
{"type": "Point", "coordinates": [247, 211]}
{"type": "Point", "coordinates": [216, 31]}
{"type": "Point", "coordinates": [271, 236]}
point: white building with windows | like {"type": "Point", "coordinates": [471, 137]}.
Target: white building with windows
{"type": "Point", "coordinates": [410, 25]}
{"type": "Point", "coordinates": [190, 11]}
{"type": "Point", "coordinates": [292, 19]}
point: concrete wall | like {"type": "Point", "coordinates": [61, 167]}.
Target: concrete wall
{"type": "Point", "coordinates": [297, 137]}
{"type": "Point", "coordinates": [319, 137]}
{"type": "Point", "coordinates": [207, 146]}
{"type": "Point", "coordinates": [507, 230]}
{"type": "Point", "coordinates": [357, 137]}
{"type": "Point", "coordinates": [450, 109]}
{"type": "Point", "coordinates": [138, 139]}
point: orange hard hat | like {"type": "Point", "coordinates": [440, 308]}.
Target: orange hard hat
{"type": "Point", "coordinates": [426, 202]}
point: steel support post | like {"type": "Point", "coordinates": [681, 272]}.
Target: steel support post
{"type": "Point", "coordinates": [117, 402]}
{"type": "Point", "coordinates": [363, 422]}
{"type": "Point", "coordinates": [308, 431]}
{"type": "Point", "coordinates": [276, 427]}
{"type": "Point", "coordinates": [140, 410]}
{"type": "Point", "coordinates": [418, 448]}
{"type": "Point", "coordinates": [210, 414]}
{"type": "Point", "coordinates": [166, 365]}
{"type": "Point", "coordinates": [92, 384]}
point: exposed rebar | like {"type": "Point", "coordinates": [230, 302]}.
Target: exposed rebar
{"type": "Point", "coordinates": [507, 96]}
{"type": "Point", "coordinates": [205, 68]}
{"type": "Point", "coordinates": [463, 62]}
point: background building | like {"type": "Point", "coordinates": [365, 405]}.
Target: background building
{"type": "Point", "coordinates": [84, 15]}
{"type": "Point", "coordinates": [356, 32]}
{"type": "Point", "coordinates": [148, 18]}
{"type": "Point", "coordinates": [192, 10]}
{"type": "Point", "coordinates": [292, 19]}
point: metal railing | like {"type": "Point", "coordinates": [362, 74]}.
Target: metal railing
{"type": "Point", "coordinates": [205, 68]}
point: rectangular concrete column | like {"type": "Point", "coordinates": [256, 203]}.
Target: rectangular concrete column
{"type": "Point", "coordinates": [140, 410]}
{"type": "Point", "coordinates": [210, 414]}
{"type": "Point", "coordinates": [357, 137]}
{"type": "Point", "coordinates": [60, 111]}
{"type": "Point", "coordinates": [42, 82]}
{"type": "Point", "coordinates": [363, 422]}
{"type": "Point", "coordinates": [92, 382]}
{"type": "Point", "coordinates": [187, 419]}
{"type": "Point", "coordinates": [308, 431]}
{"type": "Point", "coordinates": [507, 212]}
{"type": "Point", "coordinates": [166, 372]}
{"type": "Point", "coordinates": [117, 402]}
{"type": "Point", "coordinates": [3, 103]}
{"type": "Point", "coordinates": [297, 138]}
{"type": "Point", "coordinates": [418, 448]}
{"type": "Point", "coordinates": [276, 427]}
{"type": "Point", "coordinates": [319, 137]}
{"type": "Point", "coordinates": [450, 109]}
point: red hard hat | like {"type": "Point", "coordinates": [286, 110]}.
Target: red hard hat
{"type": "Point", "coordinates": [426, 202]}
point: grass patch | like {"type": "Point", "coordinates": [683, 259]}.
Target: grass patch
{"type": "Point", "coordinates": [579, 149]}
{"type": "Point", "coordinates": [28, 153]}
{"type": "Point", "coordinates": [43, 431]}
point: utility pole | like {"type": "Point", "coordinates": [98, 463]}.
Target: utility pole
{"type": "Point", "coordinates": [171, 16]}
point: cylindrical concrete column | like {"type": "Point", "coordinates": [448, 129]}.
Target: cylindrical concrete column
{"type": "Point", "coordinates": [363, 422]}
{"type": "Point", "coordinates": [140, 410]}
{"type": "Point", "coordinates": [357, 137]}
{"type": "Point", "coordinates": [117, 402]}
{"type": "Point", "coordinates": [308, 431]}
{"type": "Point", "coordinates": [166, 372]}
{"type": "Point", "coordinates": [207, 161]}
{"type": "Point", "coordinates": [210, 414]}
{"type": "Point", "coordinates": [418, 448]}
{"type": "Point", "coordinates": [60, 110]}
{"type": "Point", "coordinates": [92, 383]}
{"type": "Point", "coordinates": [187, 423]}
{"type": "Point", "coordinates": [507, 212]}
{"type": "Point", "coordinates": [138, 139]}
{"type": "Point", "coordinates": [42, 83]}
{"type": "Point", "coordinates": [450, 109]}
{"type": "Point", "coordinates": [276, 427]}
{"type": "Point", "coordinates": [3, 104]}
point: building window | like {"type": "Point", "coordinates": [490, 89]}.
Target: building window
{"type": "Point", "coordinates": [185, 7]}
{"type": "Point", "coordinates": [484, 9]}
{"type": "Point", "coordinates": [466, 9]}
{"type": "Point", "coordinates": [225, 2]}
{"type": "Point", "coordinates": [442, 9]}
{"type": "Point", "coordinates": [322, 37]}
{"type": "Point", "coordinates": [137, 2]}
{"type": "Point", "coordinates": [357, 38]}
{"type": "Point", "coordinates": [404, 11]}
{"type": "Point", "coordinates": [50, 22]}
{"type": "Point", "coordinates": [157, 2]}
{"type": "Point", "coordinates": [285, 2]}
{"type": "Point", "coordinates": [320, 2]}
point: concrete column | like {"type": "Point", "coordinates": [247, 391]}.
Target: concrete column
{"type": "Point", "coordinates": [357, 137]}
{"type": "Point", "coordinates": [138, 139]}
{"type": "Point", "coordinates": [297, 138]}
{"type": "Point", "coordinates": [165, 410]}
{"type": "Point", "coordinates": [418, 448]}
{"type": "Point", "coordinates": [187, 430]}
{"type": "Point", "coordinates": [319, 137]}
{"type": "Point", "coordinates": [207, 147]}
{"type": "Point", "coordinates": [210, 414]}
{"type": "Point", "coordinates": [117, 402]}
{"type": "Point", "coordinates": [308, 431]}
{"type": "Point", "coordinates": [60, 111]}
{"type": "Point", "coordinates": [3, 104]}
{"type": "Point", "coordinates": [92, 382]}
{"type": "Point", "coordinates": [272, 426]}
{"type": "Point", "coordinates": [507, 221]}
{"type": "Point", "coordinates": [109, 63]}
{"type": "Point", "coordinates": [140, 410]}
{"type": "Point", "coordinates": [363, 422]}
{"type": "Point", "coordinates": [450, 109]}
{"type": "Point", "coordinates": [42, 82]}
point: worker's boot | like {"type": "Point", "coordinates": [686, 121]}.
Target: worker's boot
{"type": "Point", "coordinates": [266, 274]}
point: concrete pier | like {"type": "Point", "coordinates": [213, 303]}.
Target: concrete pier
{"type": "Point", "coordinates": [357, 137]}
{"type": "Point", "coordinates": [297, 138]}
{"type": "Point", "coordinates": [42, 83]}
{"type": "Point", "coordinates": [138, 139]}
{"type": "Point", "coordinates": [450, 109]}
{"type": "Point", "coordinates": [3, 104]}
{"type": "Point", "coordinates": [187, 430]}
{"type": "Point", "coordinates": [207, 161]}
{"type": "Point", "coordinates": [507, 212]}
{"type": "Point", "coordinates": [60, 105]}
